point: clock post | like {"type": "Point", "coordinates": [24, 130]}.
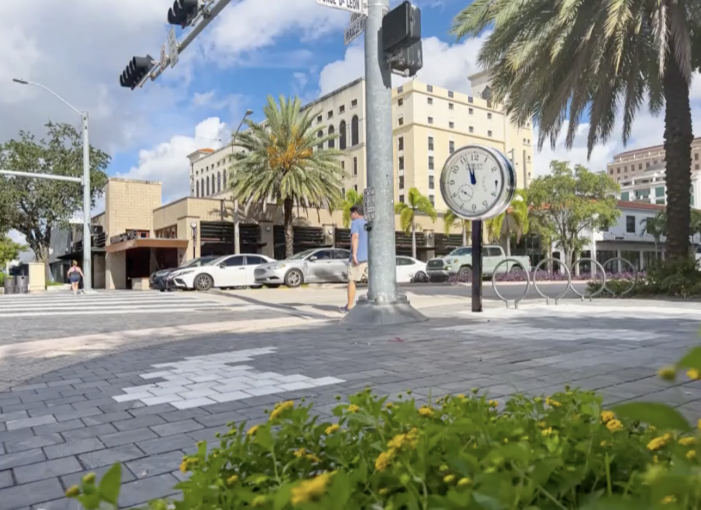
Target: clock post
{"type": "Point", "coordinates": [477, 266]}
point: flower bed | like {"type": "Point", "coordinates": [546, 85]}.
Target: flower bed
{"type": "Point", "coordinates": [545, 276]}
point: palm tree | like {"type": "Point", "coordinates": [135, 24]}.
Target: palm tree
{"type": "Point", "coordinates": [493, 227]}
{"type": "Point", "coordinates": [656, 227]}
{"type": "Point", "coordinates": [552, 62]}
{"type": "Point", "coordinates": [352, 198]}
{"type": "Point", "coordinates": [450, 220]}
{"type": "Point", "coordinates": [516, 220]}
{"type": "Point", "coordinates": [285, 159]}
{"type": "Point", "coordinates": [407, 211]}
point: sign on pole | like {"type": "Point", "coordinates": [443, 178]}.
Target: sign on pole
{"type": "Point", "coordinates": [357, 6]}
{"type": "Point", "coordinates": [172, 48]}
{"type": "Point", "coordinates": [369, 204]}
{"type": "Point", "coordinates": [164, 57]}
{"type": "Point", "coordinates": [356, 27]}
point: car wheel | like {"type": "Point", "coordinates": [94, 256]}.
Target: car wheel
{"type": "Point", "coordinates": [294, 278]}
{"type": "Point", "coordinates": [420, 277]}
{"type": "Point", "coordinates": [465, 273]}
{"type": "Point", "coordinates": [516, 269]}
{"type": "Point", "coordinates": [203, 282]}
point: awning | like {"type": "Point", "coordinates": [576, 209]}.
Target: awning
{"type": "Point", "coordinates": [147, 242]}
{"type": "Point", "coordinates": [78, 255]}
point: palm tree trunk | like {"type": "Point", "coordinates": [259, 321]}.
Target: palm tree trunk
{"type": "Point", "coordinates": [508, 245]}
{"type": "Point", "coordinates": [413, 239]}
{"type": "Point", "coordinates": [464, 233]}
{"type": "Point", "coordinates": [678, 136]}
{"type": "Point", "coordinates": [288, 205]}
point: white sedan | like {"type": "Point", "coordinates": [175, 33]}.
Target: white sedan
{"type": "Point", "coordinates": [227, 271]}
{"type": "Point", "coordinates": [409, 270]}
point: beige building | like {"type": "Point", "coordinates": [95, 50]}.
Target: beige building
{"type": "Point", "coordinates": [428, 124]}
{"type": "Point", "coordinates": [632, 166]}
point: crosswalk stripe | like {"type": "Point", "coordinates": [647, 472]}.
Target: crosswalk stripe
{"type": "Point", "coordinates": [129, 311]}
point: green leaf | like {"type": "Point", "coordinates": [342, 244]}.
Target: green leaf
{"type": "Point", "coordinates": [487, 502]}
{"type": "Point", "coordinates": [340, 490]}
{"type": "Point", "coordinates": [89, 501]}
{"type": "Point", "coordinates": [658, 415]}
{"type": "Point", "coordinates": [691, 359]}
{"type": "Point", "coordinates": [283, 496]}
{"type": "Point", "coordinates": [265, 438]}
{"type": "Point", "coordinates": [108, 489]}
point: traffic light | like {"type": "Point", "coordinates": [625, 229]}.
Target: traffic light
{"type": "Point", "coordinates": [408, 61]}
{"type": "Point", "coordinates": [401, 27]}
{"type": "Point", "coordinates": [182, 12]}
{"type": "Point", "coordinates": [136, 70]}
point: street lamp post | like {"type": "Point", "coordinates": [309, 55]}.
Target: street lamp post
{"type": "Point", "coordinates": [193, 226]}
{"type": "Point", "coordinates": [237, 235]}
{"type": "Point", "coordinates": [87, 241]}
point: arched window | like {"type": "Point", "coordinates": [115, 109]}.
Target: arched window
{"type": "Point", "coordinates": [207, 185]}
{"type": "Point", "coordinates": [218, 182]}
{"type": "Point", "coordinates": [332, 143]}
{"type": "Point", "coordinates": [320, 134]}
{"type": "Point", "coordinates": [342, 135]}
{"type": "Point", "coordinates": [202, 187]}
{"type": "Point", "coordinates": [198, 189]}
{"type": "Point", "coordinates": [354, 131]}
{"type": "Point", "coordinates": [223, 183]}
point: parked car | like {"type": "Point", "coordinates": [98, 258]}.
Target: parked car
{"type": "Point", "coordinates": [159, 280]}
{"type": "Point", "coordinates": [318, 265]}
{"type": "Point", "coordinates": [225, 272]}
{"type": "Point", "coordinates": [409, 270]}
{"type": "Point", "coordinates": [459, 263]}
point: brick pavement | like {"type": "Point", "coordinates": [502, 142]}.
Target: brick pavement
{"type": "Point", "coordinates": [80, 418]}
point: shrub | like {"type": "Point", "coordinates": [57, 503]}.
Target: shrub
{"type": "Point", "coordinates": [563, 451]}
{"type": "Point", "coordinates": [672, 278]}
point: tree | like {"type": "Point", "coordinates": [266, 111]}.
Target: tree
{"type": "Point", "coordinates": [407, 214]}
{"type": "Point", "coordinates": [352, 198]}
{"type": "Point", "coordinates": [555, 61]}
{"type": "Point", "coordinates": [450, 220]}
{"type": "Point", "coordinates": [568, 203]}
{"type": "Point", "coordinates": [35, 207]}
{"type": "Point", "coordinates": [655, 226]}
{"type": "Point", "coordinates": [516, 220]}
{"type": "Point", "coordinates": [9, 250]}
{"type": "Point", "coordinates": [285, 159]}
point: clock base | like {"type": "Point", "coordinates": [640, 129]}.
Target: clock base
{"type": "Point", "coordinates": [371, 313]}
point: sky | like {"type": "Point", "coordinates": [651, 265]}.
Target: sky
{"type": "Point", "coordinates": [253, 49]}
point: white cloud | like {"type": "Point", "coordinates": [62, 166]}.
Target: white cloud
{"type": "Point", "coordinates": [167, 162]}
{"type": "Point", "coordinates": [17, 237]}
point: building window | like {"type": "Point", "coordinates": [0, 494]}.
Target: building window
{"type": "Point", "coordinates": [469, 99]}
{"type": "Point", "coordinates": [320, 134]}
{"type": "Point", "coordinates": [470, 111]}
{"type": "Point", "coordinates": [332, 142]}
{"type": "Point", "coordinates": [218, 182]}
{"type": "Point", "coordinates": [489, 115]}
{"type": "Point", "coordinates": [198, 188]}
{"type": "Point", "coordinates": [489, 133]}
{"type": "Point", "coordinates": [451, 146]}
{"type": "Point", "coordinates": [343, 167]}
{"type": "Point", "coordinates": [430, 162]}
{"type": "Point", "coordinates": [355, 187]}
{"type": "Point", "coordinates": [400, 102]}
{"type": "Point", "coordinates": [618, 170]}
{"type": "Point", "coordinates": [429, 88]}
{"type": "Point", "coordinates": [341, 109]}
{"type": "Point", "coordinates": [207, 185]}
{"type": "Point", "coordinates": [355, 166]}
{"type": "Point", "coordinates": [611, 171]}
{"type": "Point", "coordinates": [400, 89]}
{"type": "Point", "coordinates": [319, 119]}
{"type": "Point", "coordinates": [625, 196]}
{"type": "Point", "coordinates": [343, 192]}
{"type": "Point", "coordinates": [400, 121]}
{"type": "Point", "coordinates": [430, 143]}
{"type": "Point", "coordinates": [401, 162]}
{"type": "Point", "coordinates": [630, 224]}
{"type": "Point", "coordinates": [202, 188]}
{"type": "Point", "coordinates": [471, 129]}
{"type": "Point", "coordinates": [451, 125]}
{"type": "Point", "coordinates": [342, 135]}
{"type": "Point", "coordinates": [451, 106]}
{"type": "Point", "coordinates": [660, 201]}
{"type": "Point", "coordinates": [354, 131]}
{"type": "Point", "coordinates": [429, 100]}
{"type": "Point", "coordinates": [401, 199]}
{"type": "Point", "coordinates": [223, 180]}
{"type": "Point", "coordinates": [696, 156]}
{"type": "Point", "coordinates": [659, 191]}
{"type": "Point", "coordinates": [431, 183]}
{"type": "Point", "coordinates": [400, 143]}
{"type": "Point", "coordinates": [450, 93]}
{"type": "Point", "coordinates": [432, 199]}
{"type": "Point", "coordinates": [354, 103]}
{"type": "Point", "coordinates": [329, 114]}
{"type": "Point", "coordinates": [696, 167]}
{"type": "Point", "coordinates": [401, 182]}
{"type": "Point", "coordinates": [430, 120]}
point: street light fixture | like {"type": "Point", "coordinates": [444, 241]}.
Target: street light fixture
{"type": "Point", "coordinates": [193, 226]}
{"type": "Point", "coordinates": [87, 241]}
{"type": "Point", "coordinates": [237, 236]}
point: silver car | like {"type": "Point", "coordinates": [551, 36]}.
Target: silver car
{"type": "Point", "coordinates": [319, 265]}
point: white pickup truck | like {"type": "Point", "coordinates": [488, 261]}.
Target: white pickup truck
{"type": "Point", "coordinates": [459, 263]}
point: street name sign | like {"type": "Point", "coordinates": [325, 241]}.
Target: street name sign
{"type": "Point", "coordinates": [164, 57]}
{"type": "Point", "coordinates": [172, 48]}
{"type": "Point", "coordinates": [357, 6]}
{"type": "Point", "coordinates": [369, 204]}
{"type": "Point", "coordinates": [356, 27]}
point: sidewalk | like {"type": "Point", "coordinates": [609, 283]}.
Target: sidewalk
{"type": "Point", "coordinates": [145, 398]}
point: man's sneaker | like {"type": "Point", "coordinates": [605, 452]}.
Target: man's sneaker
{"type": "Point", "coordinates": [343, 309]}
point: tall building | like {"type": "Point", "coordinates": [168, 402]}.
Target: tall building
{"type": "Point", "coordinates": [428, 124]}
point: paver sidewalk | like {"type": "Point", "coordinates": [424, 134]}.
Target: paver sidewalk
{"type": "Point", "coordinates": [146, 401]}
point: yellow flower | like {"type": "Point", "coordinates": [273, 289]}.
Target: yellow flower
{"type": "Point", "coordinates": [389, 405]}
{"type": "Point", "coordinates": [693, 374]}
{"type": "Point", "coordinates": [383, 491]}
{"type": "Point", "coordinates": [426, 411]}
{"type": "Point", "coordinates": [552, 403]}
{"type": "Point", "coordinates": [449, 478]}
{"type": "Point", "coordinates": [614, 425]}
{"type": "Point", "coordinates": [657, 443]}
{"type": "Point", "coordinates": [72, 491]}
{"type": "Point", "coordinates": [691, 454]}
{"type": "Point", "coordinates": [313, 458]}
{"type": "Point", "coordinates": [461, 396]}
{"type": "Point", "coordinates": [464, 482]}
{"type": "Point", "coordinates": [668, 500]}
{"type": "Point", "coordinates": [397, 442]}
{"type": "Point", "coordinates": [541, 424]}
{"type": "Point", "coordinates": [258, 501]}
{"type": "Point", "coordinates": [383, 460]}
{"type": "Point", "coordinates": [330, 430]}
{"type": "Point", "coordinates": [281, 408]}
{"type": "Point", "coordinates": [187, 463]}
{"type": "Point", "coordinates": [607, 416]}
{"type": "Point", "coordinates": [547, 431]}
{"type": "Point", "coordinates": [443, 468]}
{"type": "Point", "coordinates": [252, 430]}
{"type": "Point", "coordinates": [309, 490]}
{"type": "Point", "coordinates": [687, 441]}
{"type": "Point", "coordinates": [353, 408]}
{"type": "Point", "coordinates": [232, 480]}
{"type": "Point", "coordinates": [668, 373]}
{"type": "Point", "coordinates": [300, 453]}
{"type": "Point", "coordinates": [493, 403]}
{"type": "Point", "coordinates": [89, 478]}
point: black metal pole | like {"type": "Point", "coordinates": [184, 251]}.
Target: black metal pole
{"type": "Point", "coordinates": [477, 266]}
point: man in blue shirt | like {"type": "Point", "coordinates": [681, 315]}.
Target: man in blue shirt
{"type": "Point", "coordinates": [358, 264]}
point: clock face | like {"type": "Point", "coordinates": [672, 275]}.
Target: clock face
{"type": "Point", "coordinates": [477, 182]}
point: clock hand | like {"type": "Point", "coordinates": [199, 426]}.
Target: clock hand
{"type": "Point", "coordinates": [473, 181]}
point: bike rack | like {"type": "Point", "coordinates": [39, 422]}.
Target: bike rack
{"type": "Point", "coordinates": [633, 270]}
{"type": "Point", "coordinates": [583, 296]}
{"type": "Point", "coordinates": [494, 283]}
{"type": "Point", "coordinates": [535, 283]}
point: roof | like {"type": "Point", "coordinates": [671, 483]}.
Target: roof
{"type": "Point", "coordinates": [646, 149]}
{"type": "Point", "coordinates": [147, 242]}
{"type": "Point", "coordinates": [640, 205]}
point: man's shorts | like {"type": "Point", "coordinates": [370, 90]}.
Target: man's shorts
{"type": "Point", "coordinates": [355, 273]}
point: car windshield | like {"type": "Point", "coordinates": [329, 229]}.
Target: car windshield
{"type": "Point", "coordinates": [302, 254]}
{"type": "Point", "coordinates": [202, 261]}
{"type": "Point", "coordinates": [460, 251]}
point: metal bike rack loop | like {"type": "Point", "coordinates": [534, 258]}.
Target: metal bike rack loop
{"type": "Point", "coordinates": [494, 284]}
{"type": "Point", "coordinates": [535, 282]}
{"type": "Point", "coordinates": [583, 296]}
{"type": "Point", "coordinates": [634, 282]}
